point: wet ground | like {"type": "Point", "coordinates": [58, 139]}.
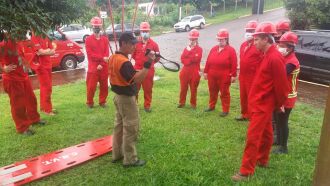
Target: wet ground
{"type": "Point", "coordinates": [172, 44]}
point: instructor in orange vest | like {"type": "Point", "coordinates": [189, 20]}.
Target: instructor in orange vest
{"type": "Point", "coordinates": [268, 93]}
{"type": "Point", "coordinates": [97, 48]}
{"type": "Point", "coordinates": [139, 57]}
{"type": "Point", "coordinates": [220, 71]}
{"type": "Point", "coordinates": [123, 83]}
{"type": "Point", "coordinates": [189, 75]}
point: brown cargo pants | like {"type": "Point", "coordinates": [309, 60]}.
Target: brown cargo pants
{"type": "Point", "coordinates": [126, 129]}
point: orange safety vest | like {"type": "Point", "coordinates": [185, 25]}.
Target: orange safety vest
{"type": "Point", "coordinates": [115, 63]}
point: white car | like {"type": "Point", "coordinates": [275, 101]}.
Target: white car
{"type": "Point", "coordinates": [76, 32]}
{"type": "Point", "coordinates": [190, 22]}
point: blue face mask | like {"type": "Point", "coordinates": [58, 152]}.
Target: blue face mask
{"type": "Point", "coordinates": [145, 35]}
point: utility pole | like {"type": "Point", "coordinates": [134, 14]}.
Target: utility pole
{"type": "Point", "coordinates": [321, 171]}
{"type": "Point", "coordinates": [211, 8]}
{"type": "Point", "coordinates": [180, 9]}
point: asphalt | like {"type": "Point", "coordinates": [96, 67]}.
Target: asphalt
{"type": "Point", "coordinates": [172, 44]}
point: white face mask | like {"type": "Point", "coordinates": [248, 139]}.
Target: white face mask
{"type": "Point", "coordinates": [145, 35]}
{"type": "Point", "coordinates": [248, 36]}
{"type": "Point", "coordinates": [283, 51]}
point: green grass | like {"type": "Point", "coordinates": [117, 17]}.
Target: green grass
{"type": "Point", "coordinates": [241, 11]}
{"type": "Point", "coordinates": [182, 146]}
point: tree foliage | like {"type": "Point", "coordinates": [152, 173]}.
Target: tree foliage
{"type": "Point", "coordinates": [306, 13]}
{"type": "Point", "coordinates": [18, 16]}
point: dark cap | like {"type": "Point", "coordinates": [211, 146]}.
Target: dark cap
{"type": "Point", "coordinates": [127, 37]}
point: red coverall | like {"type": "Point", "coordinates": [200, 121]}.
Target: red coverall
{"type": "Point", "coordinates": [220, 67]}
{"type": "Point", "coordinates": [17, 85]}
{"type": "Point", "coordinates": [139, 57]}
{"type": "Point", "coordinates": [250, 58]}
{"type": "Point", "coordinates": [189, 75]}
{"type": "Point", "coordinates": [292, 80]}
{"type": "Point", "coordinates": [96, 50]}
{"type": "Point", "coordinates": [44, 72]}
{"type": "Point", "coordinates": [269, 91]}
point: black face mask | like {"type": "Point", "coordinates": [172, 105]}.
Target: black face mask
{"type": "Point", "coordinates": [2, 36]}
{"type": "Point", "coordinates": [96, 30]}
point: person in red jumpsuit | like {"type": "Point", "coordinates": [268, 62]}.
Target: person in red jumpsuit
{"type": "Point", "coordinates": [44, 49]}
{"type": "Point", "coordinates": [269, 91]}
{"type": "Point", "coordinates": [286, 47]}
{"type": "Point", "coordinates": [220, 71]}
{"type": "Point", "coordinates": [139, 58]}
{"type": "Point", "coordinates": [17, 85]}
{"type": "Point", "coordinates": [250, 58]}
{"type": "Point", "coordinates": [97, 49]}
{"type": "Point", "coordinates": [282, 27]}
{"type": "Point", "coordinates": [189, 75]}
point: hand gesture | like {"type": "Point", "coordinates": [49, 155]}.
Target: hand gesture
{"type": "Point", "coordinates": [99, 67]}
{"type": "Point", "coordinates": [9, 68]}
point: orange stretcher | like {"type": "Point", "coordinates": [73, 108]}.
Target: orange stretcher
{"type": "Point", "coordinates": [36, 168]}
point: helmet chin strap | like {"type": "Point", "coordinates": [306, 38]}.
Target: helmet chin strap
{"type": "Point", "coordinates": [272, 38]}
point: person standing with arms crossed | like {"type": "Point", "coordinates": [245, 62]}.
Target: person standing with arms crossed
{"type": "Point", "coordinates": [124, 80]}
{"type": "Point", "coordinates": [44, 49]}
{"type": "Point", "coordinates": [97, 49]}
{"type": "Point", "coordinates": [189, 76]}
{"type": "Point", "coordinates": [268, 93]}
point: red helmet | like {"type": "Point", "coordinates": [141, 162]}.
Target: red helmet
{"type": "Point", "coordinates": [223, 34]}
{"type": "Point", "coordinates": [96, 21]}
{"type": "Point", "coordinates": [251, 25]}
{"type": "Point", "coordinates": [193, 34]}
{"type": "Point", "coordinates": [144, 26]}
{"type": "Point", "coordinates": [283, 25]}
{"type": "Point", "coordinates": [289, 37]}
{"type": "Point", "coordinates": [265, 28]}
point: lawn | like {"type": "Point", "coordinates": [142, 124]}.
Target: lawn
{"type": "Point", "coordinates": [182, 146]}
{"type": "Point", "coordinates": [231, 14]}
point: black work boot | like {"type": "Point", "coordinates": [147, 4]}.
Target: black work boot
{"type": "Point", "coordinates": [138, 163]}
{"type": "Point", "coordinates": [280, 150]}
{"type": "Point", "coordinates": [223, 114]}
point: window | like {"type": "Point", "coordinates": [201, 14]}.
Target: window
{"type": "Point", "coordinates": [67, 29]}
{"type": "Point", "coordinates": [307, 42]}
{"type": "Point", "coordinates": [117, 27]}
{"type": "Point", "coordinates": [194, 18]}
{"type": "Point", "coordinates": [323, 47]}
{"type": "Point", "coordinates": [78, 27]}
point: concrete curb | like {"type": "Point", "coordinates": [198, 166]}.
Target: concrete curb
{"type": "Point", "coordinates": [171, 31]}
{"type": "Point", "coordinates": [247, 15]}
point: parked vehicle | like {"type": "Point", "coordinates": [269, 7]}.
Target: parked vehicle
{"type": "Point", "coordinates": [118, 30]}
{"type": "Point", "coordinates": [67, 53]}
{"type": "Point", "coordinates": [76, 32]}
{"type": "Point", "coordinates": [313, 53]}
{"type": "Point", "coordinates": [190, 22]}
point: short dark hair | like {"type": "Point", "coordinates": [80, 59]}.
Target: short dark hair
{"type": "Point", "coordinates": [127, 37]}
{"type": "Point", "coordinates": [263, 36]}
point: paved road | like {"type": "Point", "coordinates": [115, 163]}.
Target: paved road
{"type": "Point", "coordinates": [171, 45]}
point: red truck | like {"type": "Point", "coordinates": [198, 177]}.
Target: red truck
{"type": "Point", "coordinates": [67, 53]}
